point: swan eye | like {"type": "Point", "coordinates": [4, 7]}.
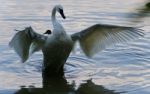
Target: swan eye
{"type": "Point", "coordinates": [62, 13]}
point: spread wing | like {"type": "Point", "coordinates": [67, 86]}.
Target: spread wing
{"type": "Point", "coordinates": [98, 37]}
{"type": "Point", "coordinates": [26, 40]}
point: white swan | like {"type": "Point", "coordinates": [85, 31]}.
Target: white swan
{"type": "Point", "coordinates": [57, 46]}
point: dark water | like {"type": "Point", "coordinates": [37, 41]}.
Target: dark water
{"type": "Point", "coordinates": [123, 68]}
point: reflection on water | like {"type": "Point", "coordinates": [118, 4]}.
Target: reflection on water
{"type": "Point", "coordinates": [60, 86]}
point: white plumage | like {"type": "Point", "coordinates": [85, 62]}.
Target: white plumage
{"type": "Point", "coordinates": [59, 44]}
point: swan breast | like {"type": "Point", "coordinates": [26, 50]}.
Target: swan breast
{"type": "Point", "coordinates": [57, 49]}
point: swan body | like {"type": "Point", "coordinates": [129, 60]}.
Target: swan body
{"type": "Point", "coordinates": [57, 46]}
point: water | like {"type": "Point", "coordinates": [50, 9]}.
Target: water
{"type": "Point", "coordinates": [123, 68]}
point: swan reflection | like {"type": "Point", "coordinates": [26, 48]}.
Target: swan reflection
{"type": "Point", "coordinates": [61, 86]}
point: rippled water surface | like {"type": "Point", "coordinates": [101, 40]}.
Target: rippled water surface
{"type": "Point", "coordinates": [123, 68]}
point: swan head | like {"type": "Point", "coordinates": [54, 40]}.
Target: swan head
{"type": "Point", "coordinates": [59, 8]}
{"type": "Point", "coordinates": [48, 32]}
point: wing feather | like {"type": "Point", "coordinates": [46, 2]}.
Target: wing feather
{"type": "Point", "coordinates": [99, 37]}
{"type": "Point", "coordinates": [22, 40]}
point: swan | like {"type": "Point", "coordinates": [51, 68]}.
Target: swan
{"type": "Point", "coordinates": [57, 45]}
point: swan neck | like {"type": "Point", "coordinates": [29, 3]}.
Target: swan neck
{"type": "Point", "coordinates": [54, 14]}
{"type": "Point", "coordinates": [57, 26]}
{"type": "Point", "coordinates": [54, 20]}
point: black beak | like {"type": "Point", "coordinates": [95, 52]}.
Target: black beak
{"type": "Point", "coordinates": [48, 32]}
{"type": "Point", "coordinates": [62, 13]}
